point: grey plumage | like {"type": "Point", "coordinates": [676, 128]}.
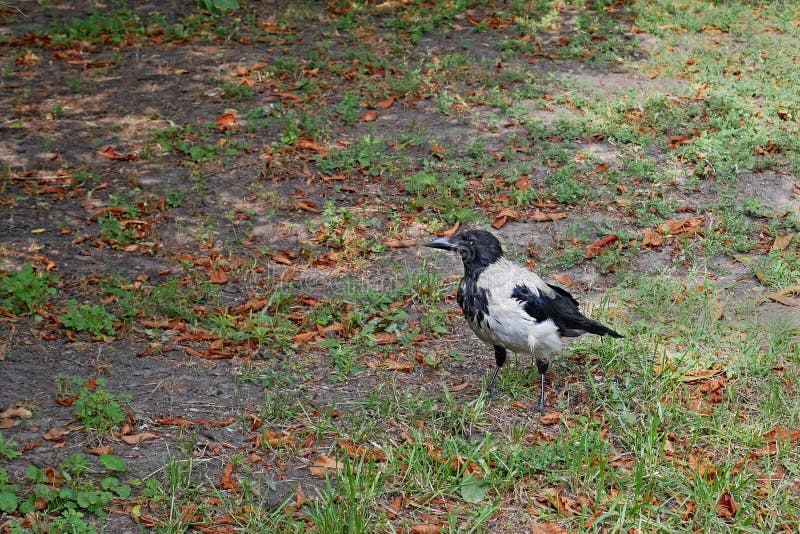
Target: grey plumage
{"type": "Point", "coordinates": [511, 308]}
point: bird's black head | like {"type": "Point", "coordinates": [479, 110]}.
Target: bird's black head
{"type": "Point", "coordinates": [478, 248]}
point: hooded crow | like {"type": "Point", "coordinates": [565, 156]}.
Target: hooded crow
{"type": "Point", "coordinates": [511, 308]}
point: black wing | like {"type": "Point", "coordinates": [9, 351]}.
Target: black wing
{"type": "Point", "coordinates": [562, 309]}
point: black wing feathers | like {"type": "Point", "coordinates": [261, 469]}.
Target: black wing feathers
{"type": "Point", "coordinates": [563, 310]}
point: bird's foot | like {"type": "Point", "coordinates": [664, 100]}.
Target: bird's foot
{"type": "Point", "coordinates": [488, 394]}
{"type": "Point", "coordinates": [540, 406]}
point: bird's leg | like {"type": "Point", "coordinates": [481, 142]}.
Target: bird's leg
{"type": "Point", "coordinates": [500, 359]}
{"type": "Point", "coordinates": [541, 365]}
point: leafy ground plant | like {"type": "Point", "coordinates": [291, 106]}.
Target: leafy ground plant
{"type": "Point", "coordinates": [23, 291]}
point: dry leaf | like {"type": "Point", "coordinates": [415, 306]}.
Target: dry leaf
{"type": "Point", "coordinates": [135, 439]}
{"type": "Point", "coordinates": [322, 465]}
{"type": "Point", "coordinates": [564, 280]}
{"type": "Point", "coordinates": [425, 529]}
{"type": "Point", "coordinates": [225, 121]}
{"type": "Point", "coordinates": [600, 246]}
{"type": "Point", "coordinates": [226, 479]}
{"type": "Point", "coordinates": [218, 276]}
{"type": "Point", "coordinates": [309, 144]}
{"type": "Point", "coordinates": [501, 218]}
{"type": "Point", "coordinates": [523, 184]}
{"type": "Point", "coordinates": [782, 241]}
{"type": "Point", "coordinates": [385, 103]}
{"type": "Point", "coordinates": [459, 387]}
{"type": "Point", "coordinates": [786, 297]}
{"type": "Point", "coordinates": [726, 506]}
{"type": "Point", "coordinates": [547, 528]}
{"type": "Point", "coordinates": [394, 365]}
{"type": "Point", "coordinates": [651, 238]}
{"type": "Point", "coordinates": [109, 153]}
{"type": "Point", "coordinates": [16, 411]}
{"type": "Point", "coordinates": [357, 452]}
{"type": "Point", "coordinates": [385, 338]}
{"type": "Point", "coordinates": [368, 115]}
{"type": "Point", "coordinates": [103, 449]}
{"type": "Point", "coordinates": [681, 227]}
{"type": "Point", "coordinates": [55, 434]}
{"type": "Point", "coordinates": [541, 216]}
{"type": "Point", "coordinates": [304, 337]}
{"type": "Point", "coordinates": [550, 418]}
{"type": "Point", "coordinates": [398, 243]}
{"type": "Point", "coordinates": [306, 205]}
{"type": "Point", "coordinates": [450, 231]}
{"type": "Point", "coordinates": [280, 257]}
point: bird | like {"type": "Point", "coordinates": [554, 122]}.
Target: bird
{"type": "Point", "coordinates": [510, 308]}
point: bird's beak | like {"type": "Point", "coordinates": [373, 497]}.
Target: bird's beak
{"type": "Point", "coordinates": [443, 243]}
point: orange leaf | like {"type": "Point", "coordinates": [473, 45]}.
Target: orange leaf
{"type": "Point", "coordinates": [652, 238]}
{"type": "Point", "coordinates": [306, 205]}
{"type": "Point", "coordinates": [600, 246]}
{"type": "Point", "coordinates": [450, 231]}
{"type": "Point", "coordinates": [726, 506]}
{"type": "Point", "coordinates": [109, 153]}
{"type": "Point", "coordinates": [678, 227]}
{"type": "Point", "coordinates": [564, 280]}
{"type": "Point", "coordinates": [550, 418]}
{"type": "Point", "coordinates": [309, 144]}
{"type": "Point", "coordinates": [368, 115]}
{"type": "Point", "coordinates": [225, 121]}
{"type": "Point", "coordinates": [226, 480]}
{"type": "Point", "coordinates": [385, 338]}
{"type": "Point", "coordinates": [394, 365]}
{"type": "Point", "coordinates": [398, 243]}
{"type": "Point", "coordinates": [547, 528]}
{"type": "Point", "coordinates": [55, 434]}
{"type": "Point", "coordinates": [218, 276]}
{"type": "Point", "coordinates": [104, 449]}
{"type": "Point", "coordinates": [540, 216]}
{"type": "Point", "coordinates": [501, 218]}
{"type": "Point", "coordinates": [385, 103]}
{"type": "Point", "coordinates": [357, 452]}
{"type": "Point", "coordinates": [135, 439]}
{"type": "Point", "coordinates": [304, 337]}
{"type": "Point", "coordinates": [459, 387]}
{"type": "Point", "coordinates": [523, 184]}
{"type": "Point", "coordinates": [280, 257]}
{"type": "Point", "coordinates": [425, 529]}
{"type": "Point", "coordinates": [782, 241]}
{"type": "Point", "coordinates": [322, 465]}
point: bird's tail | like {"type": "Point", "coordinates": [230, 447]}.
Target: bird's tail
{"type": "Point", "coordinates": [593, 327]}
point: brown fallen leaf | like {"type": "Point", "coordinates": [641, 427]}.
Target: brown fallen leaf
{"type": "Point", "coordinates": [502, 217]}
{"type": "Point", "coordinates": [103, 449]}
{"type": "Point", "coordinates": [357, 452]}
{"type": "Point", "coordinates": [425, 529]}
{"type": "Point", "coordinates": [225, 121]}
{"type": "Point", "coordinates": [17, 412]}
{"type": "Point", "coordinates": [782, 241]}
{"type": "Point", "coordinates": [449, 232]}
{"type": "Point", "coordinates": [386, 103]}
{"type": "Point", "coordinates": [218, 276]}
{"type": "Point", "coordinates": [550, 418]}
{"type": "Point", "coordinates": [55, 434]}
{"type": "Point", "coordinates": [682, 227]}
{"type": "Point", "coordinates": [459, 387]}
{"type": "Point", "coordinates": [368, 115]}
{"type": "Point", "coordinates": [726, 506]}
{"type": "Point", "coordinates": [786, 297]}
{"type": "Point", "coordinates": [394, 365]}
{"type": "Point", "coordinates": [280, 257]}
{"type": "Point", "coordinates": [226, 479]}
{"type": "Point", "coordinates": [306, 205]}
{"type": "Point", "coordinates": [385, 338]}
{"type": "Point", "coordinates": [304, 337]}
{"type": "Point", "coordinates": [523, 184]}
{"type": "Point", "coordinates": [541, 216]}
{"type": "Point", "coordinates": [564, 280]}
{"type": "Point", "coordinates": [778, 435]}
{"type": "Point", "coordinates": [398, 243]}
{"type": "Point", "coordinates": [309, 144]}
{"type": "Point", "coordinates": [651, 238]}
{"type": "Point", "coordinates": [134, 439]}
{"type": "Point", "coordinates": [600, 246]}
{"type": "Point", "coordinates": [322, 465]}
{"type": "Point", "coordinates": [109, 153]}
{"type": "Point", "coordinates": [547, 528]}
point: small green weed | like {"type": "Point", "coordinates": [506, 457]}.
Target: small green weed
{"type": "Point", "coordinates": [23, 291]}
{"type": "Point", "coordinates": [97, 409]}
{"type": "Point", "coordinates": [8, 448]}
{"type": "Point", "coordinates": [88, 318]}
